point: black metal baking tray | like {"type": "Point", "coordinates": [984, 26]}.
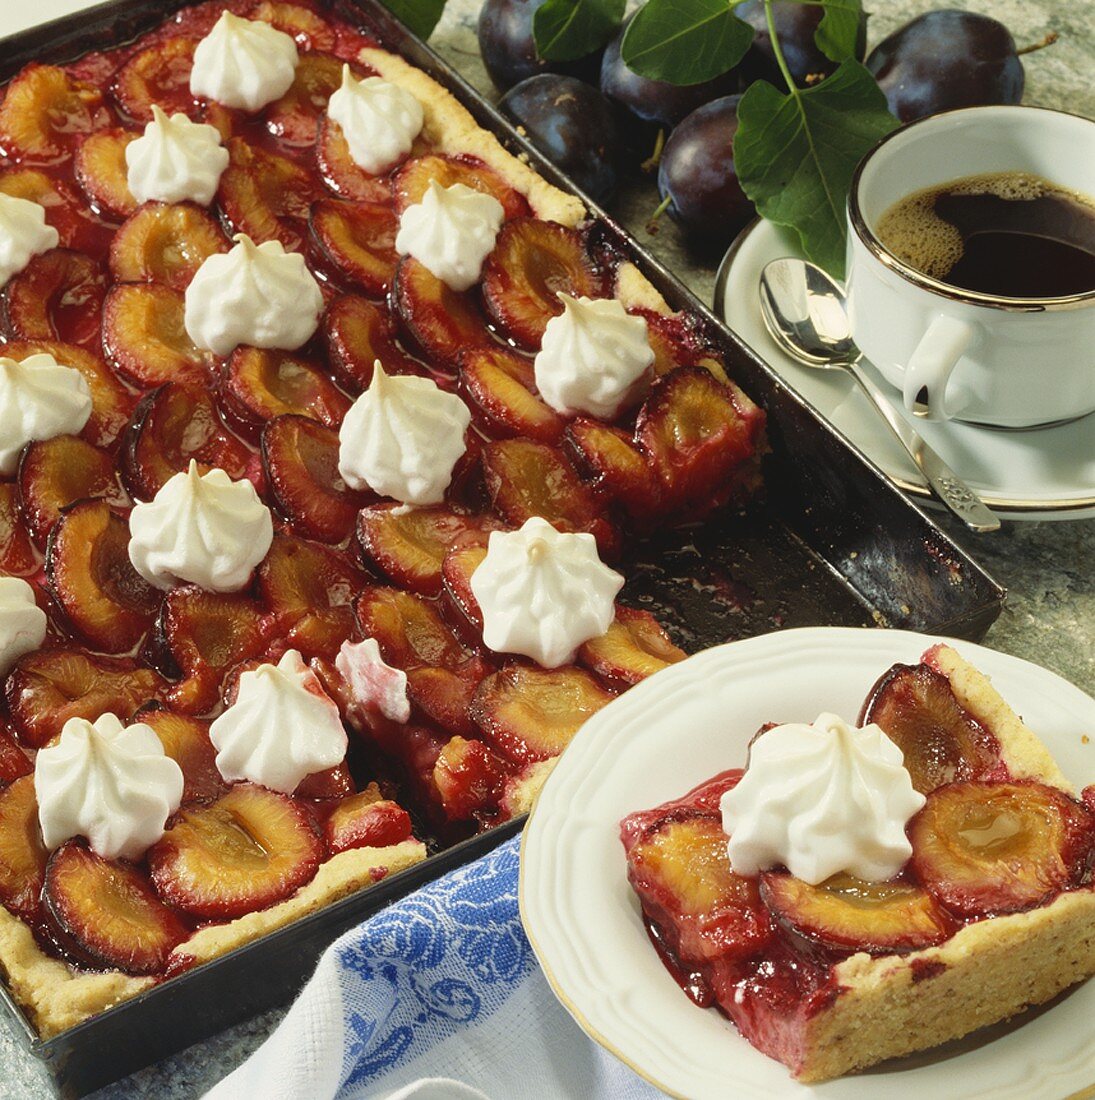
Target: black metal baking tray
{"type": "Point", "coordinates": [832, 542]}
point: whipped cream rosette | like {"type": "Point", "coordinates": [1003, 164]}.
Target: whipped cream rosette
{"type": "Point", "coordinates": [203, 529]}
{"type": "Point", "coordinates": [175, 160]}
{"type": "Point", "coordinates": [22, 622]}
{"type": "Point", "coordinates": [822, 799]}
{"type": "Point", "coordinates": [243, 63]}
{"type": "Point", "coordinates": [592, 358]}
{"type": "Point", "coordinates": [379, 120]}
{"type": "Point", "coordinates": [402, 438]}
{"type": "Point", "coordinates": [373, 684]}
{"type": "Point", "coordinates": [451, 232]}
{"type": "Point", "coordinates": [23, 234]}
{"type": "Point", "coordinates": [281, 728]}
{"type": "Point", "coordinates": [110, 783]}
{"type": "Point", "coordinates": [543, 592]}
{"type": "Point", "coordinates": [253, 294]}
{"type": "Point", "coordinates": [39, 399]}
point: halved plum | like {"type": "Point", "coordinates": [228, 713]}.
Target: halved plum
{"type": "Point", "coordinates": [444, 696]}
{"type": "Point", "coordinates": [440, 321]}
{"type": "Point", "coordinates": [63, 206]}
{"type": "Point", "coordinates": [356, 241]}
{"type": "Point", "coordinates": [45, 111]}
{"type": "Point", "coordinates": [531, 263]}
{"type": "Point", "coordinates": [941, 742]}
{"type": "Point", "coordinates": [265, 195]}
{"type": "Point", "coordinates": [249, 849]}
{"type": "Point", "coordinates": [408, 629]}
{"type": "Point", "coordinates": [259, 384]}
{"type": "Point", "coordinates": [158, 74]}
{"type": "Point", "coordinates": [294, 118]}
{"type": "Point", "coordinates": [165, 243]}
{"type": "Point", "coordinates": [470, 778]}
{"type": "Point", "coordinates": [22, 854]}
{"type": "Point", "coordinates": [102, 172]}
{"type": "Point", "coordinates": [309, 590]}
{"type": "Point", "coordinates": [608, 460]}
{"type": "Point", "coordinates": [145, 338]}
{"type": "Point", "coordinates": [366, 820]}
{"type": "Point", "coordinates": [17, 557]}
{"type": "Point", "coordinates": [57, 296]}
{"type": "Point", "coordinates": [358, 333]}
{"type": "Point", "coordinates": [48, 687]}
{"type": "Point", "coordinates": [300, 457]}
{"type": "Point", "coordinates": [847, 914]}
{"type": "Point", "coordinates": [987, 848]}
{"type": "Point", "coordinates": [170, 426]}
{"type": "Point", "coordinates": [105, 600]}
{"type": "Point", "coordinates": [111, 402]}
{"type": "Point", "coordinates": [526, 479]}
{"type": "Point", "coordinates": [501, 388]}
{"type": "Point", "coordinates": [341, 173]}
{"type": "Point", "coordinates": [634, 647]}
{"type": "Point", "coordinates": [306, 26]}
{"type": "Point", "coordinates": [456, 572]}
{"type": "Point", "coordinates": [532, 714]}
{"type": "Point", "coordinates": [410, 545]}
{"type": "Point", "coordinates": [203, 636]}
{"type": "Point", "coordinates": [14, 762]}
{"type": "Point", "coordinates": [411, 180]}
{"type": "Point", "coordinates": [696, 434]}
{"type": "Point", "coordinates": [106, 913]}
{"type": "Point", "coordinates": [677, 341]}
{"type": "Point", "coordinates": [186, 740]}
{"type": "Point", "coordinates": [680, 869]}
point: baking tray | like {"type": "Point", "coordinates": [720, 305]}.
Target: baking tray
{"type": "Point", "coordinates": [832, 542]}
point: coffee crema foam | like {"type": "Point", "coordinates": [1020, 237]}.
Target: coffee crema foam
{"type": "Point", "coordinates": [913, 231]}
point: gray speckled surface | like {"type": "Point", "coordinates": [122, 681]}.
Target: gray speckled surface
{"type": "Point", "coordinates": [1049, 568]}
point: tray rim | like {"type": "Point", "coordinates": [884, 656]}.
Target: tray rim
{"type": "Point", "coordinates": [395, 36]}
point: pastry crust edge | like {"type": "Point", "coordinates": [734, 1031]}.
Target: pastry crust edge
{"type": "Point", "coordinates": [57, 997]}
{"type": "Point", "coordinates": [991, 970]}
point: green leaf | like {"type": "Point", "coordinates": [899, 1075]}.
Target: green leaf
{"type": "Point", "coordinates": [795, 154]}
{"type": "Point", "coordinates": [420, 16]}
{"type": "Point", "coordinates": [838, 35]}
{"type": "Point", "coordinates": [685, 41]}
{"type": "Point", "coordinates": [565, 30]}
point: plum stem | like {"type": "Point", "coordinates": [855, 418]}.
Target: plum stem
{"type": "Point", "coordinates": [1048, 40]}
{"type": "Point", "coordinates": [652, 161]}
{"type": "Point", "coordinates": [659, 210]}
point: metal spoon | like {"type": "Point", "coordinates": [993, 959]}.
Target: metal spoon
{"type": "Point", "coordinates": [804, 312]}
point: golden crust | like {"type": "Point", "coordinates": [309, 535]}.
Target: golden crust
{"type": "Point", "coordinates": [450, 128]}
{"type": "Point", "coordinates": [985, 973]}
{"type": "Point", "coordinates": [636, 291]}
{"type": "Point", "coordinates": [57, 997]}
{"type": "Point", "coordinates": [522, 790]}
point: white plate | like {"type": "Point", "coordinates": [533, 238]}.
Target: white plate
{"type": "Point", "coordinates": [684, 725]}
{"type": "Point", "coordinates": [1047, 473]}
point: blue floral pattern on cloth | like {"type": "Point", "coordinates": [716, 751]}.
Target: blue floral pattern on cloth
{"type": "Point", "coordinates": [443, 957]}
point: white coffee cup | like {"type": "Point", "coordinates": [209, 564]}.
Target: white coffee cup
{"type": "Point", "coordinates": [1008, 362]}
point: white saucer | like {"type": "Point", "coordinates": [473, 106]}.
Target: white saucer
{"type": "Point", "coordinates": [1047, 473]}
{"type": "Point", "coordinates": [676, 729]}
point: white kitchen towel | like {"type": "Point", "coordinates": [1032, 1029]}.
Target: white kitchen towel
{"type": "Point", "coordinates": [437, 997]}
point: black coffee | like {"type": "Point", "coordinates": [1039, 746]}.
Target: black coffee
{"type": "Point", "coordinates": [1009, 234]}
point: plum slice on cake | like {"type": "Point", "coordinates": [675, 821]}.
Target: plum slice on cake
{"type": "Point", "coordinates": [989, 910]}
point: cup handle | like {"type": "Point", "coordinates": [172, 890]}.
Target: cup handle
{"type": "Point", "coordinates": [931, 364]}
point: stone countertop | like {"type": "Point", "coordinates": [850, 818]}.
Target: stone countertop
{"type": "Point", "coordinates": [1048, 568]}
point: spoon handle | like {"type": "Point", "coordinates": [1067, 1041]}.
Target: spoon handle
{"type": "Point", "coordinates": [947, 485]}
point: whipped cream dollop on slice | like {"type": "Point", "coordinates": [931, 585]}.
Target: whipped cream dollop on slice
{"type": "Point", "coordinates": [379, 120]}
{"type": "Point", "coordinates": [39, 399]}
{"type": "Point", "coordinates": [253, 294]}
{"type": "Point", "coordinates": [402, 437]}
{"type": "Point", "coordinates": [110, 783]}
{"type": "Point", "coordinates": [543, 592]}
{"type": "Point", "coordinates": [203, 529]}
{"type": "Point", "coordinates": [373, 684]}
{"type": "Point", "coordinates": [282, 727]}
{"type": "Point", "coordinates": [175, 160]}
{"type": "Point", "coordinates": [451, 232]}
{"type": "Point", "coordinates": [22, 622]}
{"type": "Point", "coordinates": [23, 234]}
{"type": "Point", "coordinates": [243, 64]}
{"type": "Point", "coordinates": [822, 799]}
{"type": "Point", "coordinates": [592, 357]}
